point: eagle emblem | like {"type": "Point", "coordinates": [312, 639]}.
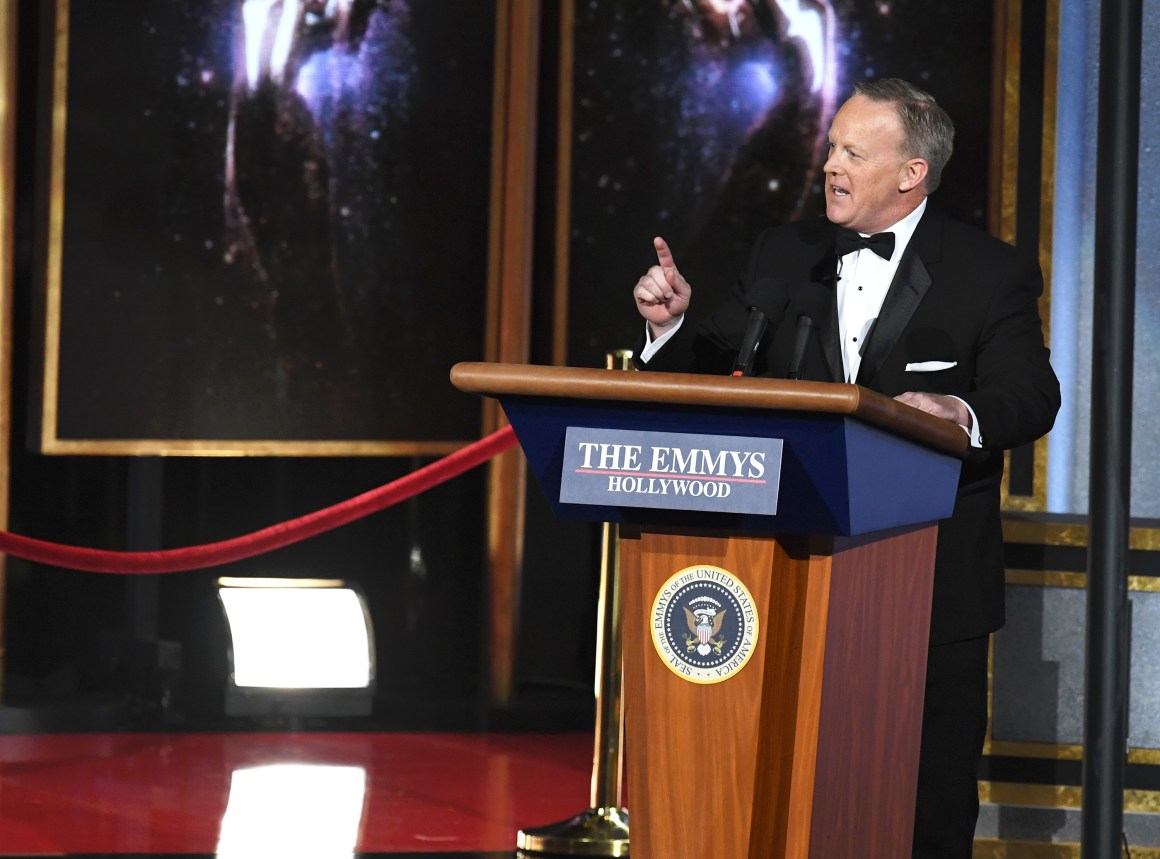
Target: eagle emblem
{"type": "Point", "coordinates": [720, 628]}
{"type": "Point", "coordinates": [704, 624]}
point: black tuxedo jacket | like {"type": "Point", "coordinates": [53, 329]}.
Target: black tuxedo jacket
{"type": "Point", "coordinates": [960, 297]}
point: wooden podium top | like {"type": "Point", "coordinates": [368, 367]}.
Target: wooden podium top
{"type": "Point", "coordinates": [687, 389]}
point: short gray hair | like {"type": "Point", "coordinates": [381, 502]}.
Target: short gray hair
{"type": "Point", "coordinates": [927, 130]}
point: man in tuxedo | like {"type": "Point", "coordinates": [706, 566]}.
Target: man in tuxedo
{"type": "Point", "coordinates": [924, 309]}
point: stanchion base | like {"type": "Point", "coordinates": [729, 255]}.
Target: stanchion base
{"type": "Point", "coordinates": [595, 832]}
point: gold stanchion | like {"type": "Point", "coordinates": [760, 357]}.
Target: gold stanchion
{"type": "Point", "coordinates": [602, 830]}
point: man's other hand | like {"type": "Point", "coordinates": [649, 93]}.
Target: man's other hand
{"type": "Point", "coordinates": [941, 406]}
{"type": "Point", "coordinates": [662, 296]}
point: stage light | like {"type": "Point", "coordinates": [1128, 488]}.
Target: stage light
{"type": "Point", "coordinates": [298, 647]}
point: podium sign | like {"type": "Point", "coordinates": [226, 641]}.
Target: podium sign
{"type": "Point", "coordinates": [774, 656]}
{"type": "Point", "coordinates": [670, 471]}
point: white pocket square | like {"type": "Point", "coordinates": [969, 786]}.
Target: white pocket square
{"type": "Point", "coordinates": [930, 366]}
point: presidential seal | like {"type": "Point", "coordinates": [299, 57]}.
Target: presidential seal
{"type": "Point", "coordinates": [704, 624]}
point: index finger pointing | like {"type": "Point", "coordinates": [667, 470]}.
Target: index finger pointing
{"type": "Point", "coordinates": [665, 258]}
{"type": "Point", "coordinates": [664, 255]}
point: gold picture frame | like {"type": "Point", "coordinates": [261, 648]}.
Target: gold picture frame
{"type": "Point", "coordinates": [405, 406]}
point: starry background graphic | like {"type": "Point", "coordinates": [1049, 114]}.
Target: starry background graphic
{"type": "Point", "coordinates": [370, 279]}
{"type": "Point", "coordinates": [366, 187]}
{"type": "Point", "coordinates": [706, 139]}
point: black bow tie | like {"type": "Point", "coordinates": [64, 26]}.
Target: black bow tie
{"type": "Point", "coordinates": [847, 241]}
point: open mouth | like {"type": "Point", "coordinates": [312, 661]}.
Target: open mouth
{"type": "Point", "coordinates": [839, 192]}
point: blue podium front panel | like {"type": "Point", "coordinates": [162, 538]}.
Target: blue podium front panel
{"type": "Point", "coordinates": [838, 475]}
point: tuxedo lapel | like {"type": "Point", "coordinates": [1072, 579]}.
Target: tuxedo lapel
{"type": "Point", "coordinates": [910, 284]}
{"type": "Point", "coordinates": [825, 272]}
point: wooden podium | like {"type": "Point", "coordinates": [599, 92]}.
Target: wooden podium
{"type": "Point", "coordinates": [774, 659]}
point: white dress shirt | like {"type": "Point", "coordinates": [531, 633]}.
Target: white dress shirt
{"type": "Point", "coordinates": [863, 280]}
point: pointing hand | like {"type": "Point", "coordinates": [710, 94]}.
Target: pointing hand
{"type": "Point", "coordinates": [662, 295]}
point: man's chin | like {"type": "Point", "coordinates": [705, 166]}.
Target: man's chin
{"type": "Point", "coordinates": [837, 214]}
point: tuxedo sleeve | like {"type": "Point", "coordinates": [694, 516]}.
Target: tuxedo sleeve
{"type": "Point", "coordinates": [1016, 393]}
{"type": "Point", "coordinates": [709, 344]}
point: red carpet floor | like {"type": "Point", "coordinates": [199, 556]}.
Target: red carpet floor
{"type": "Point", "coordinates": [285, 794]}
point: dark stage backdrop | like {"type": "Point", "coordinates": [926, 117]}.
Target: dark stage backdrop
{"type": "Point", "coordinates": [267, 243]}
{"type": "Point", "coordinates": [426, 591]}
{"type": "Point", "coordinates": [705, 129]}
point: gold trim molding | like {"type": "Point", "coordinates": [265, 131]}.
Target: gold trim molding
{"type": "Point", "coordinates": [7, 218]}
{"type": "Point", "coordinates": [1058, 579]}
{"type": "Point", "coordinates": [986, 849]}
{"type": "Point", "coordinates": [1030, 531]}
{"type": "Point", "coordinates": [1060, 796]}
{"type": "Point", "coordinates": [1058, 752]}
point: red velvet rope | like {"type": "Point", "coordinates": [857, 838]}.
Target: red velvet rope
{"type": "Point", "coordinates": [267, 539]}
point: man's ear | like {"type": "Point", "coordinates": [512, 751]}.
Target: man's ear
{"type": "Point", "coordinates": [913, 174]}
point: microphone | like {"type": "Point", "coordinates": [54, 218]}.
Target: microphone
{"type": "Point", "coordinates": [761, 299]}
{"type": "Point", "coordinates": [754, 331]}
{"type": "Point", "coordinates": [811, 303]}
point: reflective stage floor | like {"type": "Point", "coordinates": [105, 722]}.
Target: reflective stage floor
{"type": "Point", "coordinates": [318, 795]}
